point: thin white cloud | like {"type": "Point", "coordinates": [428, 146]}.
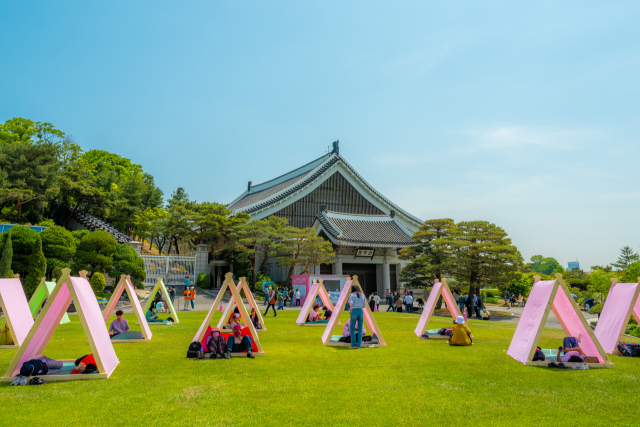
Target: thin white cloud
{"type": "Point", "coordinates": [506, 137]}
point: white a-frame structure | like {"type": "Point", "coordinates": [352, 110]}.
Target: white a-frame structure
{"type": "Point", "coordinates": [242, 287]}
{"type": "Point", "coordinates": [317, 288]}
{"type": "Point", "coordinates": [439, 288]}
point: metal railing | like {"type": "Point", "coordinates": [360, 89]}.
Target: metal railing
{"type": "Point", "coordinates": [173, 270]}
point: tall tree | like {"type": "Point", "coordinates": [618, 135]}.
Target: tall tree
{"type": "Point", "coordinates": [427, 263]}
{"type": "Point", "coordinates": [543, 265]}
{"type": "Point", "coordinates": [302, 247]}
{"type": "Point", "coordinates": [274, 232]}
{"type": "Point", "coordinates": [37, 268]}
{"type": "Point", "coordinates": [29, 174]}
{"type": "Point", "coordinates": [257, 237]}
{"type": "Point", "coordinates": [59, 248]}
{"type": "Point", "coordinates": [152, 224]}
{"type": "Point", "coordinates": [481, 253]}
{"type": "Point", "coordinates": [19, 130]}
{"type": "Point", "coordinates": [213, 225]}
{"type": "Point", "coordinates": [126, 261]}
{"type": "Point", "coordinates": [626, 258]}
{"type": "Point", "coordinates": [5, 261]}
{"type": "Point", "coordinates": [178, 226]}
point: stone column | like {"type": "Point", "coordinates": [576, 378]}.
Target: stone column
{"type": "Point", "coordinates": [136, 246]}
{"type": "Point", "coordinates": [337, 265]}
{"type": "Point", "coordinates": [202, 260]}
{"type": "Point", "coordinates": [386, 276]}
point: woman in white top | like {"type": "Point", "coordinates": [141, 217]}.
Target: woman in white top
{"type": "Point", "coordinates": [357, 302]}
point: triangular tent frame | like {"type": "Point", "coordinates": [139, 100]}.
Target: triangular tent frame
{"type": "Point", "coordinates": [125, 284]}
{"type": "Point", "coordinates": [317, 288]}
{"type": "Point", "coordinates": [228, 283]}
{"type": "Point", "coordinates": [439, 288]}
{"type": "Point", "coordinates": [78, 290]}
{"type": "Point", "coordinates": [160, 287]}
{"type": "Point", "coordinates": [43, 290]}
{"type": "Point", "coordinates": [243, 287]}
{"type": "Point", "coordinates": [16, 310]}
{"type": "Point", "coordinates": [369, 320]}
{"type": "Point", "coordinates": [622, 303]}
{"type": "Point", "coordinates": [546, 296]}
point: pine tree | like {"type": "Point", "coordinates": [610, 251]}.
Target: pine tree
{"type": "Point", "coordinates": [627, 257]}
{"type": "Point", "coordinates": [5, 261]}
{"type": "Point", "coordinates": [37, 268]}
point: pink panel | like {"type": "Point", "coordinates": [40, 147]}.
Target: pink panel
{"type": "Point", "coordinates": [636, 310]}
{"type": "Point", "coordinates": [138, 308]}
{"type": "Point", "coordinates": [612, 319]}
{"type": "Point", "coordinates": [324, 297]}
{"type": "Point", "coordinates": [431, 302]}
{"type": "Point", "coordinates": [451, 304]}
{"type": "Point", "coordinates": [16, 308]}
{"type": "Point", "coordinates": [336, 313]}
{"type": "Point", "coordinates": [50, 321]}
{"type": "Point", "coordinates": [86, 301]}
{"type": "Point", "coordinates": [203, 341]}
{"type": "Point", "coordinates": [573, 323]}
{"type": "Point", "coordinates": [306, 307]}
{"type": "Point", "coordinates": [531, 320]}
{"type": "Point", "coordinates": [112, 302]}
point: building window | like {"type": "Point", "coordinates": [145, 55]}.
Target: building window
{"type": "Point", "coordinates": [393, 280]}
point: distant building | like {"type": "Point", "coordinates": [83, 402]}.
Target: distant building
{"type": "Point", "coordinates": [573, 265]}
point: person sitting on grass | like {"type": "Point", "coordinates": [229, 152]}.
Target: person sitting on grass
{"type": "Point", "coordinates": [255, 319]}
{"type": "Point", "coordinates": [327, 313]}
{"type": "Point", "coordinates": [234, 321]}
{"type": "Point", "coordinates": [346, 331]}
{"type": "Point", "coordinates": [237, 343]}
{"type": "Point", "coordinates": [151, 316]}
{"type": "Point", "coordinates": [119, 325]}
{"type": "Point", "coordinates": [460, 333]}
{"type": "Point", "coordinates": [5, 336]}
{"type": "Point", "coordinates": [313, 315]}
{"type": "Point", "coordinates": [85, 365]}
{"type": "Point", "coordinates": [216, 344]}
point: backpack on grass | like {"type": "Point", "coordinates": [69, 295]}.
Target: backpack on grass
{"type": "Point", "coordinates": [194, 348]}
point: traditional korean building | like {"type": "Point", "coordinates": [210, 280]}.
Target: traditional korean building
{"type": "Point", "coordinates": [366, 229]}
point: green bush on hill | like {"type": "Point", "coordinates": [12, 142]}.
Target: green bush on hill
{"type": "Point", "coordinates": [22, 241]}
{"type": "Point", "coordinates": [95, 252]}
{"type": "Point", "coordinates": [59, 248]}
{"type": "Point", "coordinates": [37, 268]}
{"type": "Point", "coordinates": [97, 282]}
{"type": "Point", "coordinates": [126, 261]}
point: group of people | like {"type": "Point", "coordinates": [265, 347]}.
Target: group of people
{"type": "Point", "coordinates": [316, 315]}
{"type": "Point", "coordinates": [569, 351]}
{"type": "Point", "coordinates": [189, 296]}
{"type": "Point", "coordinates": [396, 301]}
{"type": "Point", "coordinates": [510, 300]}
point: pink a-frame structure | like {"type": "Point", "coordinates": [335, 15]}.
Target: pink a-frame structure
{"type": "Point", "coordinates": [621, 304]}
{"type": "Point", "coordinates": [369, 320]}
{"type": "Point", "coordinates": [16, 310]}
{"type": "Point", "coordinates": [78, 290]}
{"type": "Point", "coordinates": [125, 284]}
{"type": "Point", "coordinates": [439, 288]}
{"type": "Point", "coordinates": [317, 288]}
{"type": "Point", "coordinates": [242, 286]}
{"type": "Point", "coordinates": [553, 295]}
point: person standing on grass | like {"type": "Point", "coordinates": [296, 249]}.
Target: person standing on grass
{"type": "Point", "coordinates": [281, 300]}
{"type": "Point", "coordinates": [271, 298]}
{"type": "Point", "coordinates": [186, 294]}
{"type": "Point", "coordinates": [298, 297]}
{"type": "Point", "coordinates": [408, 303]}
{"type": "Point", "coordinates": [357, 303]}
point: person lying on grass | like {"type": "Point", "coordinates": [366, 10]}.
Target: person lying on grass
{"type": "Point", "coordinates": [40, 365]}
{"type": "Point", "coordinates": [119, 325]}
{"type": "Point", "coordinates": [85, 365]}
{"type": "Point", "coordinates": [569, 356]}
{"type": "Point", "coordinates": [216, 344]}
{"type": "Point", "coordinates": [237, 343]}
{"type": "Point", "coordinates": [571, 344]}
{"type": "Point", "coordinates": [460, 333]}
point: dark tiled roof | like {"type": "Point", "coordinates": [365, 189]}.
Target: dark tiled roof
{"type": "Point", "coordinates": [364, 229]}
{"type": "Point", "coordinates": [300, 183]}
{"type": "Point", "coordinates": [252, 198]}
{"type": "Point", "coordinates": [92, 223]}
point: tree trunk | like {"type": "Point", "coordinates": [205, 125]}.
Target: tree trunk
{"type": "Point", "coordinates": [12, 209]}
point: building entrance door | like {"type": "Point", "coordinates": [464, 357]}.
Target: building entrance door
{"type": "Point", "coordinates": [366, 276]}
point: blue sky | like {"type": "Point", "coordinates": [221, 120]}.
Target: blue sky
{"type": "Point", "coordinates": [522, 115]}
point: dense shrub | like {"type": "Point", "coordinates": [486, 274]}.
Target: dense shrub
{"type": "Point", "coordinates": [78, 235]}
{"type": "Point", "coordinates": [203, 281]}
{"type": "Point", "coordinates": [596, 309]}
{"type": "Point", "coordinates": [126, 261]}
{"type": "Point", "coordinates": [22, 241]}
{"type": "Point", "coordinates": [95, 252]}
{"type": "Point", "coordinates": [37, 268]}
{"type": "Point", "coordinates": [5, 261]}
{"type": "Point", "coordinates": [59, 248]}
{"type": "Point", "coordinates": [97, 282]}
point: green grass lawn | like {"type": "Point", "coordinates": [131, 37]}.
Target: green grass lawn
{"type": "Point", "coordinates": [301, 382]}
